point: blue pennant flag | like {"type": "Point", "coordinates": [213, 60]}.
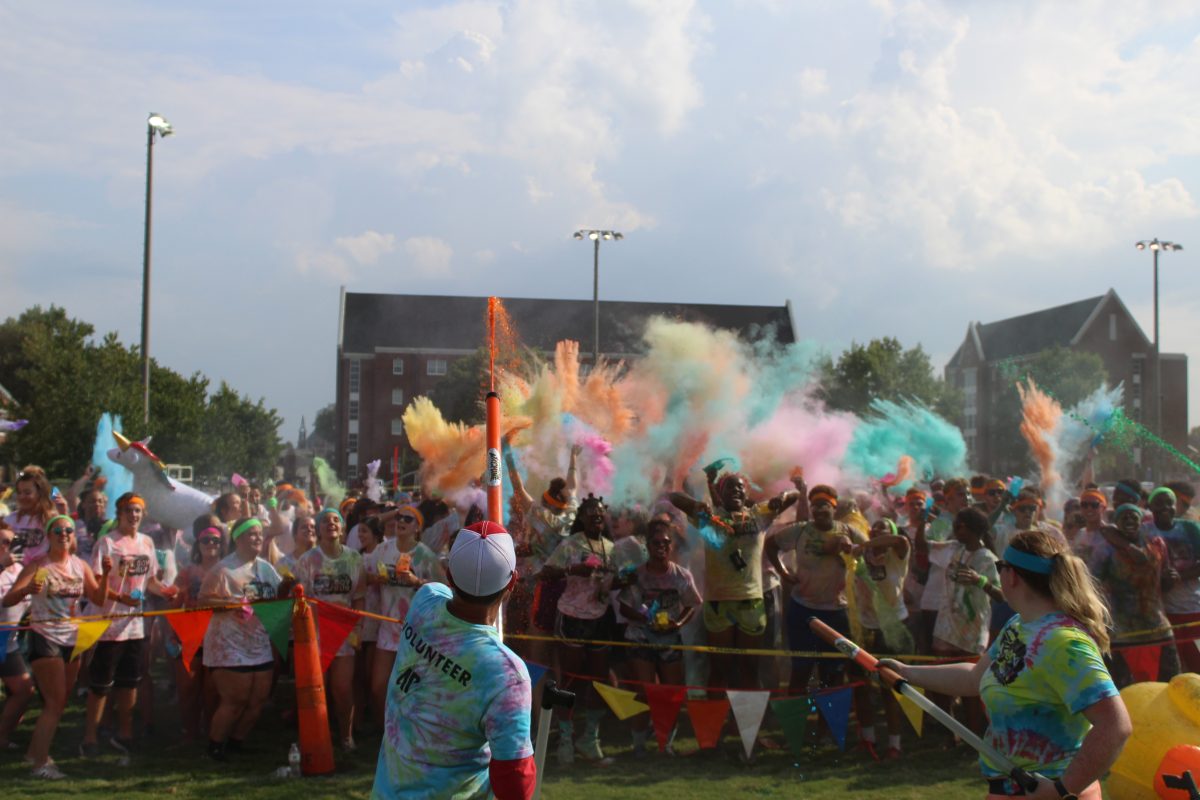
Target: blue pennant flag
{"type": "Point", "coordinates": [536, 671]}
{"type": "Point", "coordinates": [5, 635]}
{"type": "Point", "coordinates": [835, 708]}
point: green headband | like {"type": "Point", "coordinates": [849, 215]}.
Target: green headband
{"type": "Point", "coordinates": [1161, 491]}
{"type": "Point", "coordinates": [245, 526]}
{"type": "Point", "coordinates": [1130, 507]}
{"type": "Point", "coordinates": [55, 519]}
{"type": "Point", "coordinates": [334, 511]}
{"type": "Point", "coordinates": [891, 524]}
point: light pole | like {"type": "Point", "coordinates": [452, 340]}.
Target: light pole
{"type": "Point", "coordinates": [155, 124]}
{"type": "Point", "coordinates": [1154, 246]}
{"type": "Point", "coordinates": [596, 236]}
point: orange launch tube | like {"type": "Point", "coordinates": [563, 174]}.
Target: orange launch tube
{"type": "Point", "coordinates": [316, 748]}
{"type": "Point", "coordinates": [495, 494]}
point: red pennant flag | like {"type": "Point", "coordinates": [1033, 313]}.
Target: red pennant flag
{"type": "Point", "coordinates": [190, 627]}
{"type": "Point", "coordinates": [334, 624]}
{"type": "Point", "coordinates": [708, 717]}
{"type": "Point", "coordinates": [665, 702]}
{"type": "Point", "coordinates": [1142, 662]}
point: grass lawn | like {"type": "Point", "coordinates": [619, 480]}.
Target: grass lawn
{"type": "Point", "coordinates": [166, 768]}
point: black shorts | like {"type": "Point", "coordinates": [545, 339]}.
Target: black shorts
{"type": "Point", "coordinates": [264, 667]}
{"type": "Point", "coordinates": [14, 666]}
{"type": "Point", "coordinates": [40, 647]}
{"type": "Point", "coordinates": [596, 630]}
{"type": "Point", "coordinates": [115, 665]}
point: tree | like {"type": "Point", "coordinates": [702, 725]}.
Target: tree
{"type": "Point", "coordinates": [883, 369]}
{"type": "Point", "coordinates": [1066, 375]}
{"type": "Point", "coordinates": [459, 394]}
{"type": "Point", "coordinates": [325, 424]}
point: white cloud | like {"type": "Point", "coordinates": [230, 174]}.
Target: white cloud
{"type": "Point", "coordinates": [368, 246]}
{"type": "Point", "coordinates": [430, 255]}
{"type": "Point", "coordinates": [812, 82]}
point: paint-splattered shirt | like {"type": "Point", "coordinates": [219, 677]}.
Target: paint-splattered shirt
{"type": "Point", "coordinates": [457, 699]}
{"type": "Point", "coordinates": [395, 597]}
{"type": "Point", "coordinates": [1043, 675]}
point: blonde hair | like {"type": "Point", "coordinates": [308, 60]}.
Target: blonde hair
{"type": "Point", "coordinates": [1069, 584]}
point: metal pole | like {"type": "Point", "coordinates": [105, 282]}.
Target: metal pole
{"type": "Point", "coordinates": [146, 282]}
{"type": "Point", "coordinates": [596, 304]}
{"type": "Point", "coordinates": [1158, 420]}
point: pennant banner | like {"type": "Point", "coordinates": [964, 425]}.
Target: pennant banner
{"type": "Point", "coordinates": [792, 714]}
{"type": "Point", "coordinates": [622, 702]}
{"type": "Point", "coordinates": [708, 717]}
{"type": "Point", "coordinates": [536, 671]}
{"type": "Point", "coordinates": [748, 709]}
{"type": "Point", "coordinates": [5, 635]}
{"type": "Point", "coordinates": [914, 713]}
{"type": "Point", "coordinates": [1142, 662]}
{"type": "Point", "coordinates": [276, 618]}
{"type": "Point", "coordinates": [334, 624]}
{"type": "Point", "coordinates": [190, 628]}
{"type": "Point", "coordinates": [835, 708]}
{"type": "Point", "coordinates": [87, 635]}
{"type": "Point", "coordinates": [665, 702]}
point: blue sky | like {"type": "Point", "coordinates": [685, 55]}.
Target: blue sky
{"type": "Point", "coordinates": [892, 168]}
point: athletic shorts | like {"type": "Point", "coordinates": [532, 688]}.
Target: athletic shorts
{"type": "Point", "coordinates": [116, 665]}
{"type": "Point", "coordinates": [750, 616]}
{"type": "Point", "coordinates": [14, 666]}
{"type": "Point", "coordinates": [596, 630]}
{"type": "Point", "coordinates": [659, 655]}
{"type": "Point", "coordinates": [266, 666]}
{"type": "Point", "coordinates": [831, 671]}
{"type": "Point", "coordinates": [40, 647]}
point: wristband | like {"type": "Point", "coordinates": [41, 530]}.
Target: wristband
{"type": "Point", "coordinates": [983, 582]}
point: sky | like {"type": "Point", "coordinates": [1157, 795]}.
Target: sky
{"type": "Point", "coordinates": [891, 168]}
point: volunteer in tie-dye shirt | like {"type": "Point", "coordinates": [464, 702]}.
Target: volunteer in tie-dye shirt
{"type": "Point", "coordinates": [457, 718]}
{"type": "Point", "coordinates": [333, 573]}
{"type": "Point", "coordinates": [1053, 708]}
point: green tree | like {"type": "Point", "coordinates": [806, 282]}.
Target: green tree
{"type": "Point", "coordinates": [239, 435]}
{"type": "Point", "coordinates": [325, 424]}
{"type": "Point", "coordinates": [1066, 375]}
{"type": "Point", "coordinates": [459, 394]}
{"type": "Point", "coordinates": [883, 369]}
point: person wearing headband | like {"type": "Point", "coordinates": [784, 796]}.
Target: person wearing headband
{"type": "Point", "coordinates": [207, 550]}
{"type": "Point", "coordinates": [458, 699]}
{"type": "Point", "coordinates": [333, 573]}
{"type": "Point", "coordinates": [1132, 569]}
{"type": "Point", "coordinates": [1089, 540]}
{"type": "Point", "coordinates": [116, 665]}
{"type": "Point", "coordinates": [237, 650]}
{"type": "Point", "coordinates": [926, 582]}
{"type": "Point", "coordinates": [1052, 706]}
{"type": "Point", "coordinates": [818, 583]}
{"type": "Point", "coordinates": [1025, 509]}
{"type": "Point", "coordinates": [1182, 598]}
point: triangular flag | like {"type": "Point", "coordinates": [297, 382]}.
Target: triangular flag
{"type": "Point", "coordinates": [190, 627]}
{"type": "Point", "coordinates": [914, 713]}
{"type": "Point", "coordinates": [87, 635]}
{"type": "Point", "coordinates": [536, 671]}
{"type": "Point", "coordinates": [1142, 662]}
{"type": "Point", "coordinates": [835, 708]}
{"type": "Point", "coordinates": [665, 702]}
{"type": "Point", "coordinates": [5, 635]}
{"type": "Point", "coordinates": [334, 624]}
{"type": "Point", "coordinates": [708, 717]}
{"type": "Point", "coordinates": [792, 713]}
{"type": "Point", "coordinates": [276, 618]}
{"type": "Point", "coordinates": [622, 702]}
{"type": "Point", "coordinates": [748, 709]}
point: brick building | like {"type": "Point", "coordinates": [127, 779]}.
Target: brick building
{"type": "Point", "coordinates": [1100, 325]}
{"type": "Point", "coordinates": [394, 347]}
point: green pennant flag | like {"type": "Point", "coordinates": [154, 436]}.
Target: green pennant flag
{"type": "Point", "coordinates": [792, 713]}
{"type": "Point", "coordinates": [276, 617]}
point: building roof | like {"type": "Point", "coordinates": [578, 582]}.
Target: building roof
{"type": "Point", "coordinates": [449, 323]}
{"type": "Point", "coordinates": [1033, 333]}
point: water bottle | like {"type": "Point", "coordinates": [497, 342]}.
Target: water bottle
{"type": "Point", "coordinates": [294, 760]}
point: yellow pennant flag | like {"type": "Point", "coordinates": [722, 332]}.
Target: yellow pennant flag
{"type": "Point", "coordinates": [911, 710]}
{"type": "Point", "coordinates": [88, 634]}
{"type": "Point", "coordinates": [621, 701]}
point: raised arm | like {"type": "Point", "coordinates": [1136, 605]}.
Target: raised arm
{"type": "Point", "coordinates": [520, 496]}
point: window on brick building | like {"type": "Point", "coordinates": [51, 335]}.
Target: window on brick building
{"type": "Point", "coordinates": [355, 374]}
{"type": "Point", "coordinates": [397, 366]}
{"type": "Point", "coordinates": [397, 426]}
{"type": "Point", "coordinates": [435, 366]}
{"type": "Point", "coordinates": [397, 397]}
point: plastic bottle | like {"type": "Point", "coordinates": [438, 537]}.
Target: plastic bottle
{"type": "Point", "coordinates": [294, 760]}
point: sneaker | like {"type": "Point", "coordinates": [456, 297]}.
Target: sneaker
{"type": "Point", "coordinates": [124, 748]}
{"type": "Point", "coordinates": [348, 745]}
{"type": "Point", "coordinates": [89, 750]}
{"type": "Point", "coordinates": [48, 771]}
{"type": "Point", "coordinates": [565, 755]}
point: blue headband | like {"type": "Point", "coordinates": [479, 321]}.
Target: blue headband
{"type": "Point", "coordinates": [1131, 508]}
{"type": "Point", "coordinates": [1027, 561]}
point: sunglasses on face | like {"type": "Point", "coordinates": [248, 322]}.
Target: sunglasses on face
{"type": "Point", "coordinates": [62, 531]}
{"type": "Point", "coordinates": [1089, 504]}
{"type": "Point", "coordinates": [406, 518]}
{"type": "Point", "coordinates": [1002, 565]}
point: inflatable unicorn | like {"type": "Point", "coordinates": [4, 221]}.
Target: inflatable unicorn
{"type": "Point", "coordinates": [168, 501]}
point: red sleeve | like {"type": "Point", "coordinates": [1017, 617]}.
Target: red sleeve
{"type": "Point", "coordinates": [513, 780]}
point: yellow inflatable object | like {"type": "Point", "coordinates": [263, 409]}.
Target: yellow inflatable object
{"type": "Point", "coordinates": [1164, 715]}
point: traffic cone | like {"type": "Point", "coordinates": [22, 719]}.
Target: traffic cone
{"type": "Point", "coordinates": [316, 747]}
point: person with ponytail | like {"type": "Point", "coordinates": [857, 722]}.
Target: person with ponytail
{"type": "Point", "coordinates": [1053, 707]}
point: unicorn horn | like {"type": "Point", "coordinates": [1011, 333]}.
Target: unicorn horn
{"type": "Point", "coordinates": [122, 442]}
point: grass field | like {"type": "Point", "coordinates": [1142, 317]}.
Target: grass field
{"type": "Point", "coordinates": [166, 768]}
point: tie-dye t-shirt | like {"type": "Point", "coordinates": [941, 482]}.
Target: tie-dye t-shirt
{"type": "Point", "coordinates": [1043, 675]}
{"type": "Point", "coordinates": [394, 597]}
{"type": "Point", "coordinates": [457, 699]}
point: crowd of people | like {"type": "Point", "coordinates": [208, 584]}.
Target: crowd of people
{"type": "Point", "coordinates": [601, 593]}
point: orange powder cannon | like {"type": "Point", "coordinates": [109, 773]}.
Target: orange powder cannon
{"type": "Point", "coordinates": [316, 747]}
{"type": "Point", "coordinates": [492, 476]}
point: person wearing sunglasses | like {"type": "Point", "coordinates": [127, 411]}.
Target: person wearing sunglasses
{"type": "Point", "coordinates": [1089, 541]}
{"type": "Point", "coordinates": [55, 583]}
{"type": "Point", "coordinates": [18, 685]}
{"type": "Point", "coordinates": [1052, 705]}
{"type": "Point", "coordinates": [191, 680]}
{"type": "Point", "coordinates": [397, 568]}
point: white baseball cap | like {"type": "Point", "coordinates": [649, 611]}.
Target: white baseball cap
{"type": "Point", "coordinates": [482, 559]}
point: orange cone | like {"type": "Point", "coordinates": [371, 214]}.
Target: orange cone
{"type": "Point", "coordinates": [316, 747]}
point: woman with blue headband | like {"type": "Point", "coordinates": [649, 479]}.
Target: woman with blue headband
{"type": "Point", "coordinates": [1053, 707]}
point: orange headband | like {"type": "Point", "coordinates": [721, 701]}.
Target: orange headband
{"type": "Point", "coordinates": [995, 483]}
{"type": "Point", "coordinates": [919, 496]}
{"type": "Point", "coordinates": [1095, 495]}
{"type": "Point", "coordinates": [1028, 501]}
{"type": "Point", "coordinates": [550, 500]}
{"type": "Point", "coordinates": [416, 512]}
{"type": "Point", "coordinates": [828, 498]}
{"type": "Point", "coordinates": [134, 501]}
